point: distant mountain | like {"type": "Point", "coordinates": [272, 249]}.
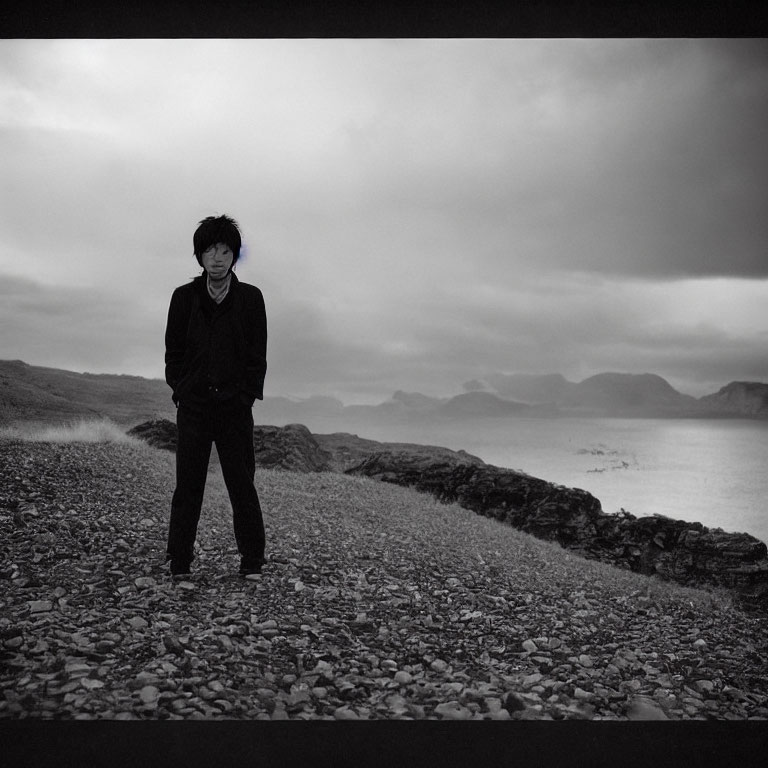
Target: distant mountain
{"type": "Point", "coordinates": [413, 406]}
{"type": "Point", "coordinates": [417, 400]}
{"type": "Point", "coordinates": [528, 388]}
{"type": "Point", "coordinates": [35, 393]}
{"type": "Point", "coordinates": [480, 404]}
{"type": "Point", "coordinates": [626, 393]}
{"type": "Point", "coordinates": [742, 398]}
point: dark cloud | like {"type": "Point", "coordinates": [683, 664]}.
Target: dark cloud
{"type": "Point", "coordinates": [77, 329]}
{"type": "Point", "coordinates": [643, 158]}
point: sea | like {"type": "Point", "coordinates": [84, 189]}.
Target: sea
{"type": "Point", "coordinates": [712, 471]}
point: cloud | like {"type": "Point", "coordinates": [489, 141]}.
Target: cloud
{"type": "Point", "coordinates": [633, 157]}
{"type": "Point", "coordinates": [630, 157]}
{"type": "Point", "coordinates": [572, 324]}
{"type": "Point", "coordinates": [78, 329]}
{"type": "Point", "coordinates": [417, 212]}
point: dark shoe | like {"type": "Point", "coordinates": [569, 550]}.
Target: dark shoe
{"type": "Point", "coordinates": [249, 569]}
{"type": "Point", "coordinates": [179, 570]}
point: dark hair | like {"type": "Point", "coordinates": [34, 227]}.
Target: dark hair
{"type": "Point", "coordinates": [217, 229]}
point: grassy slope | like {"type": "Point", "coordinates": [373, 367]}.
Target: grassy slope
{"type": "Point", "coordinates": [38, 394]}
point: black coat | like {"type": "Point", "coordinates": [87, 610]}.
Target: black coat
{"type": "Point", "coordinates": [216, 351]}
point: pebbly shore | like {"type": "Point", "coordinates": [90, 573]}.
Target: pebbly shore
{"type": "Point", "coordinates": [377, 602]}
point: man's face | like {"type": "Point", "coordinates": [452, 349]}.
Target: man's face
{"type": "Point", "coordinates": [217, 259]}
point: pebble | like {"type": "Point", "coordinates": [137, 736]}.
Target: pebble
{"type": "Point", "coordinates": [261, 626]}
{"type": "Point", "coordinates": [580, 693]}
{"type": "Point", "coordinates": [452, 710]}
{"type": "Point", "coordinates": [40, 606]}
{"type": "Point", "coordinates": [145, 677]}
{"type": "Point", "coordinates": [77, 669]}
{"type": "Point", "coordinates": [704, 686]}
{"type": "Point", "coordinates": [149, 694]}
{"type": "Point", "coordinates": [345, 713]}
{"type": "Point", "coordinates": [645, 708]}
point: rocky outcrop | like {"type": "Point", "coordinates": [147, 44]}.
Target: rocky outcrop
{"type": "Point", "coordinates": [675, 550]}
{"type": "Point", "coordinates": [687, 553]}
{"type": "Point", "coordinates": [545, 510]}
{"type": "Point", "coordinates": [349, 450]}
{"type": "Point", "coordinates": [159, 433]}
{"type": "Point", "coordinates": [291, 447]}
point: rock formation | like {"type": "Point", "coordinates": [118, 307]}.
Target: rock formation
{"type": "Point", "coordinates": [294, 448]}
{"type": "Point", "coordinates": [291, 447]}
{"type": "Point", "coordinates": [349, 450]}
{"type": "Point", "coordinates": [159, 433]}
{"type": "Point", "coordinates": [675, 550]}
{"type": "Point", "coordinates": [543, 509]}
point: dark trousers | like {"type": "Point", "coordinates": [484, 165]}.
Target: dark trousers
{"type": "Point", "coordinates": [229, 425]}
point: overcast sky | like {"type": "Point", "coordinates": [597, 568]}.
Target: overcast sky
{"type": "Point", "coordinates": [417, 213]}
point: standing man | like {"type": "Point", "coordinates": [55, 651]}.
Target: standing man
{"type": "Point", "coordinates": [215, 362]}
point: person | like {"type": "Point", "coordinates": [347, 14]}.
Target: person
{"type": "Point", "coordinates": [215, 363]}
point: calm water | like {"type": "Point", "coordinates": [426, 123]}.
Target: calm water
{"type": "Point", "coordinates": [710, 471]}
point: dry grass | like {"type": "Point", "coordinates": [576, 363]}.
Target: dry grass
{"type": "Point", "coordinates": [80, 431]}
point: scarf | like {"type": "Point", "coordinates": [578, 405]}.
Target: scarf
{"type": "Point", "coordinates": [218, 295]}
